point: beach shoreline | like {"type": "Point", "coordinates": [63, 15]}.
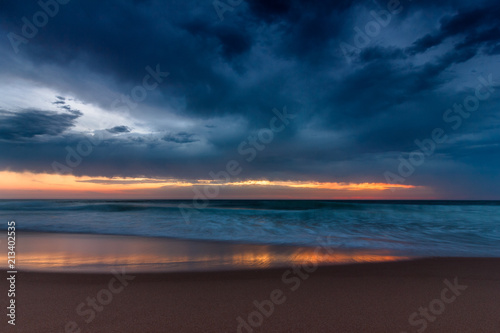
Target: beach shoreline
{"type": "Point", "coordinates": [93, 253]}
{"type": "Point", "coordinates": [369, 297]}
{"type": "Point", "coordinates": [104, 283]}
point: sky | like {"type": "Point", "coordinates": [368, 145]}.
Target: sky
{"type": "Point", "coordinates": [250, 99]}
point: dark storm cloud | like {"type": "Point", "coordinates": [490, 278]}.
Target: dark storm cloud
{"type": "Point", "coordinates": [233, 41]}
{"type": "Point", "coordinates": [478, 28]}
{"type": "Point", "coordinates": [118, 129]}
{"type": "Point", "coordinates": [30, 123]}
{"type": "Point", "coordinates": [181, 137]}
{"type": "Point", "coordinates": [353, 119]}
{"type": "Point", "coordinates": [376, 53]}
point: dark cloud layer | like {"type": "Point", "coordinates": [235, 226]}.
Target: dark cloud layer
{"type": "Point", "coordinates": [355, 116]}
{"type": "Point", "coordinates": [118, 129]}
{"type": "Point", "coordinates": [30, 123]}
{"type": "Point", "coordinates": [181, 137]}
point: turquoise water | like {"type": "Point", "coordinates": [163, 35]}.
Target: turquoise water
{"type": "Point", "coordinates": [437, 228]}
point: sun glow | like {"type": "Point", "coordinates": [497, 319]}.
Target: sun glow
{"type": "Point", "coordinates": [325, 185]}
{"type": "Point", "coordinates": [38, 185]}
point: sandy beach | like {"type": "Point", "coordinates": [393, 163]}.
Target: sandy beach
{"type": "Point", "coordinates": [436, 295]}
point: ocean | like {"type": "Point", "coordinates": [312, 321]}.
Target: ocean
{"type": "Point", "coordinates": [416, 228]}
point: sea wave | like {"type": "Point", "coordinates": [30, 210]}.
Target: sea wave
{"type": "Point", "coordinates": [415, 227]}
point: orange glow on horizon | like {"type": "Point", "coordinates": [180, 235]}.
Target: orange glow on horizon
{"type": "Point", "coordinates": [42, 184]}
{"type": "Point", "coordinates": [325, 185]}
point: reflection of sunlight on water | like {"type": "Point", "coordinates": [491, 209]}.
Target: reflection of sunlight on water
{"type": "Point", "coordinates": [57, 252]}
{"type": "Point", "coordinates": [36, 261]}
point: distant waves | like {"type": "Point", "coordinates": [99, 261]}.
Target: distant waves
{"type": "Point", "coordinates": [440, 228]}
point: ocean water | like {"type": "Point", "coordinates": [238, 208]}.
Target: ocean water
{"type": "Point", "coordinates": [435, 228]}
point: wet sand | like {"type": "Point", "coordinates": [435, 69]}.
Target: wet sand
{"type": "Point", "coordinates": [84, 253]}
{"type": "Point", "coordinates": [437, 295]}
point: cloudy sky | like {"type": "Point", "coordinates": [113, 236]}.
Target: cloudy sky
{"type": "Point", "coordinates": [250, 99]}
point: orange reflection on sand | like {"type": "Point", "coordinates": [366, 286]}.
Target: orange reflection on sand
{"type": "Point", "coordinates": [52, 260]}
{"type": "Point", "coordinates": [320, 257]}
{"type": "Point", "coordinates": [83, 252]}
{"type": "Point", "coordinates": [249, 259]}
